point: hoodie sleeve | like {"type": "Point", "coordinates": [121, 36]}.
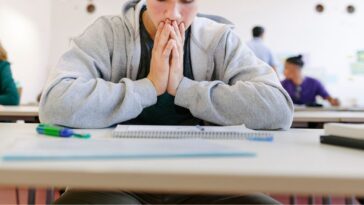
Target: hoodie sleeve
{"type": "Point", "coordinates": [245, 90]}
{"type": "Point", "coordinates": [79, 92]}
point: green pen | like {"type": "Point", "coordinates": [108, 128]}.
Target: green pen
{"type": "Point", "coordinates": [56, 131]}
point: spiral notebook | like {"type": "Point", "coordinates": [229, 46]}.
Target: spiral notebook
{"type": "Point", "coordinates": [198, 132]}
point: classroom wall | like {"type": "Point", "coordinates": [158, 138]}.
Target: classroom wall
{"type": "Point", "coordinates": [329, 40]}
{"type": "Point", "coordinates": [25, 34]}
{"type": "Point", "coordinates": [70, 19]}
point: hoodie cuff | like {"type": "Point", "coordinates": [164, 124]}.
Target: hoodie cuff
{"type": "Point", "coordinates": [144, 88]}
{"type": "Point", "coordinates": [185, 93]}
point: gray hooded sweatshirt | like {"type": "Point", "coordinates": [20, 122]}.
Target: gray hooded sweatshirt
{"type": "Point", "coordinates": [94, 84]}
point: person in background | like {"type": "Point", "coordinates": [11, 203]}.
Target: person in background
{"type": "Point", "coordinates": [160, 64]}
{"type": "Point", "coordinates": [260, 49]}
{"type": "Point", "coordinates": [302, 89]}
{"type": "Point", "coordinates": [8, 92]}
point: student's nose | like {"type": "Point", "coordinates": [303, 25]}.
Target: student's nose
{"type": "Point", "coordinates": [173, 12]}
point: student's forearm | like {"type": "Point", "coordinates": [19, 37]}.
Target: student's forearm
{"type": "Point", "coordinates": [95, 103]}
{"type": "Point", "coordinates": [257, 105]}
{"type": "Point", "coordinates": [249, 91]}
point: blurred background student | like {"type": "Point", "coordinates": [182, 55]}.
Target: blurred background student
{"type": "Point", "coordinates": [8, 92]}
{"type": "Point", "coordinates": [302, 89]}
{"type": "Point", "coordinates": [260, 49]}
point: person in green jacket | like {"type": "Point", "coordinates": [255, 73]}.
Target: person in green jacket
{"type": "Point", "coordinates": [8, 93]}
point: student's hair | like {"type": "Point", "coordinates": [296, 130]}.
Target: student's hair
{"type": "Point", "coordinates": [258, 31]}
{"type": "Point", "coordinates": [3, 54]}
{"type": "Point", "coordinates": [296, 60]}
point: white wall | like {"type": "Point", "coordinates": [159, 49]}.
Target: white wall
{"type": "Point", "coordinates": [25, 33]}
{"type": "Point", "coordinates": [330, 40]}
{"type": "Point", "coordinates": [70, 19]}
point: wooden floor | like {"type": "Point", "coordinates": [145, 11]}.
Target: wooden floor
{"type": "Point", "coordinates": [304, 200]}
{"type": "Point", "coordinates": [8, 196]}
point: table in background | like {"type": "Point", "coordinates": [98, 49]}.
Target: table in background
{"type": "Point", "coordinates": [329, 116]}
{"type": "Point", "coordinates": [321, 109]}
{"type": "Point", "coordinates": [14, 113]}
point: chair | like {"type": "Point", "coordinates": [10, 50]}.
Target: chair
{"type": "Point", "coordinates": [216, 18]}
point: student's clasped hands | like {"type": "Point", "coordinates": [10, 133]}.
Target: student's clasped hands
{"type": "Point", "coordinates": [166, 68]}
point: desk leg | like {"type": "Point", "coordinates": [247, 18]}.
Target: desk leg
{"type": "Point", "coordinates": [31, 196]}
{"type": "Point", "coordinates": [17, 195]}
{"type": "Point", "coordinates": [361, 200]}
{"type": "Point", "coordinates": [326, 200]}
{"type": "Point", "coordinates": [49, 196]}
{"type": "Point", "coordinates": [349, 200]}
{"type": "Point", "coordinates": [311, 200]}
{"type": "Point", "coordinates": [292, 199]}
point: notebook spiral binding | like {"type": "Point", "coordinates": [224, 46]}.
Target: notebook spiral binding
{"type": "Point", "coordinates": [228, 135]}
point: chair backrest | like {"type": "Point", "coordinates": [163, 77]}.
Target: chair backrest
{"type": "Point", "coordinates": [20, 91]}
{"type": "Point", "coordinates": [216, 18]}
{"type": "Point", "coordinates": [19, 88]}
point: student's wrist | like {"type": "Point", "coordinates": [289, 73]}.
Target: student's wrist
{"type": "Point", "coordinates": [145, 89]}
{"type": "Point", "coordinates": [172, 89]}
{"type": "Point", "coordinates": [159, 91]}
{"type": "Point", "coordinates": [185, 92]}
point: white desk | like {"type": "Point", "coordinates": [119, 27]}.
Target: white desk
{"type": "Point", "coordinates": [328, 116]}
{"type": "Point", "coordinates": [294, 163]}
{"type": "Point", "coordinates": [336, 109]}
{"type": "Point", "coordinates": [27, 113]}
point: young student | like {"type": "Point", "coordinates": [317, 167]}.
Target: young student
{"type": "Point", "coordinates": [260, 49]}
{"type": "Point", "coordinates": [302, 89]}
{"type": "Point", "coordinates": [158, 63]}
{"type": "Point", "coordinates": [8, 93]}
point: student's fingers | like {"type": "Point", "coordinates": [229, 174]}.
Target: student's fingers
{"type": "Point", "coordinates": [175, 59]}
{"type": "Point", "coordinates": [175, 72]}
{"type": "Point", "coordinates": [168, 49]}
{"type": "Point", "coordinates": [179, 43]}
{"type": "Point", "coordinates": [177, 31]}
{"type": "Point", "coordinates": [159, 31]}
{"type": "Point", "coordinates": [182, 30]}
{"type": "Point", "coordinates": [336, 102]}
{"type": "Point", "coordinates": [164, 37]}
{"type": "Point", "coordinates": [174, 35]}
